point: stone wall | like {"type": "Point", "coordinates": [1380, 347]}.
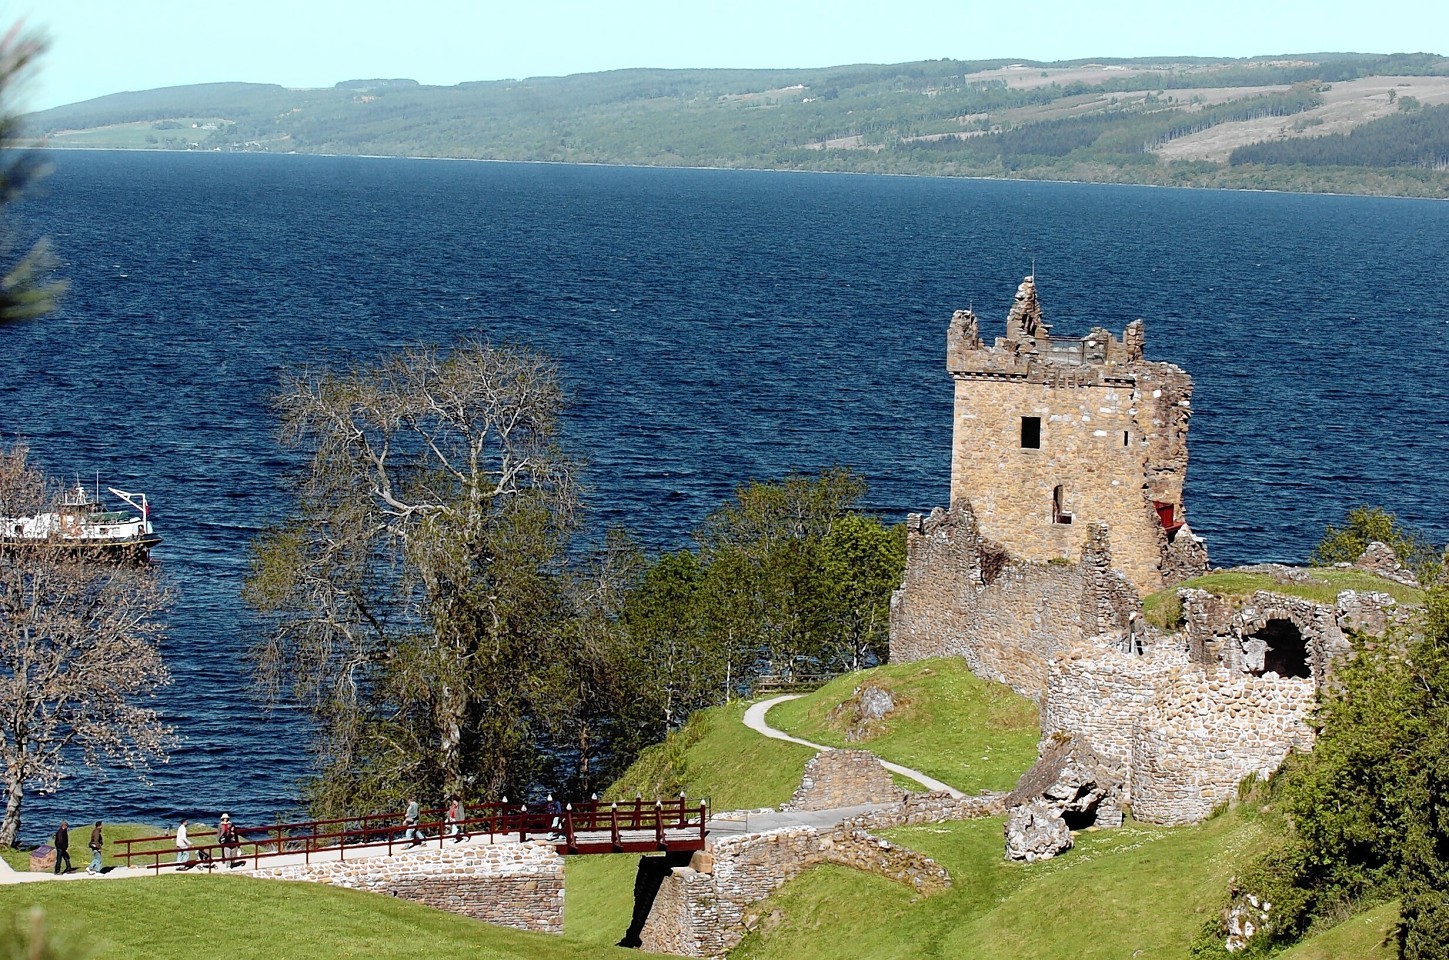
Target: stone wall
{"type": "Point", "coordinates": [1009, 621]}
{"type": "Point", "coordinates": [932, 807]}
{"type": "Point", "coordinates": [1229, 631]}
{"type": "Point", "coordinates": [1098, 693]}
{"type": "Point", "coordinates": [1206, 732]}
{"type": "Point", "coordinates": [843, 778]}
{"type": "Point", "coordinates": [509, 884]}
{"type": "Point", "coordinates": [698, 914]}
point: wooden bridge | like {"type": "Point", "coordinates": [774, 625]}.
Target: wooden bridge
{"type": "Point", "coordinates": [587, 827]}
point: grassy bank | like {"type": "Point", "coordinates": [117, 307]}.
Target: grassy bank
{"type": "Point", "coordinates": [948, 723]}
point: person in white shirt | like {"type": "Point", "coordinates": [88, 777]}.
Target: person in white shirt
{"type": "Point", "coordinates": [183, 845]}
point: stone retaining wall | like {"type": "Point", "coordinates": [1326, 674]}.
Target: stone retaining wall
{"type": "Point", "coordinates": [843, 778]}
{"type": "Point", "coordinates": [517, 885]}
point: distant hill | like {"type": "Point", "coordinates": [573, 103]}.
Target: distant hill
{"type": "Point", "coordinates": [1345, 122]}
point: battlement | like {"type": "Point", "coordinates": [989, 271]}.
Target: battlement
{"type": "Point", "coordinates": [1030, 353]}
{"type": "Point", "coordinates": [1052, 433]}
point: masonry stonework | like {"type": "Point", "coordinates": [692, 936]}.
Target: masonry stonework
{"type": "Point", "coordinates": [1068, 464]}
{"type": "Point", "coordinates": [517, 885]}
{"type": "Point", "coordinates": [698, 914]}
{"type": "Point", "coordinates": [843, 778]}
{"type": "Point", "coordinates": [1051, 433]}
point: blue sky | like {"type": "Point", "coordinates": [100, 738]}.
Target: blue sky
{"type": "Point", "coordinates": [105, 46]}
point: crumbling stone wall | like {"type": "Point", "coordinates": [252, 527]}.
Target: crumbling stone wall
{"type": "Point", "coordinates": [1229, 630]}
{"type": "Point", "coordinates": [517, 885]}
{"type": "Point", "coordinates": [698, 914]}
{"type": "Point", "coordinates": [1012, 616]}
{"type": "Point", "coordinates": [1098, 693]}
{"type": "Point", "coordinates": [1206, 732]}
{"type": "Point", "coordinates": [843, 778]}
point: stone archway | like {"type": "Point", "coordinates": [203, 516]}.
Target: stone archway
{"type": "Point", "coordinates": [1285, 649]}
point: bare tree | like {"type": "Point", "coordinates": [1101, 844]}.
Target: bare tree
{"type": "Point", "coordinates": [78, 653]}
{"type": "Point", "coordinates": [419, 581]}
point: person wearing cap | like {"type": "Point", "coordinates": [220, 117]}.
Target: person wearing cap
{"type": "Point", "coordinates": [227, 838]}
{"type": "Point", "coordinates": [97, 843]}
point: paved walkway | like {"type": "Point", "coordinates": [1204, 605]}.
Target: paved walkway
{"type": "Point", "coordinates": [755, 720]}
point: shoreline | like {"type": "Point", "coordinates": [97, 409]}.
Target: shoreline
{"type": "Point", "coordinates": [649, 166]}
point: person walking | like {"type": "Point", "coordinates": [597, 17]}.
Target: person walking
{"type": "Point", "coordinates": [455, 817]}
{"type": "Point", "coordinates": [410, 821]}
{"type": "Point", "coordinates": [183, 846]}
{"type": "Point", "coordinates": [97, 843]}
{"type": "Point", "coordinates": [62, 848]}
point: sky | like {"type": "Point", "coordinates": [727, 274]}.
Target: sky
{"type": "Point", "coordinates": [108, 46]}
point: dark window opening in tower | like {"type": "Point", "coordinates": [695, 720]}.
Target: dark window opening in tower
{"type": "Point", "coordinates": [1126, 438]}
{"type": "Point", "coordinates": [1287, 653]}
{"type": "Point", "coordinates": [1031, 433]}
{"type": "Point", "coordinates": [1059, 511]}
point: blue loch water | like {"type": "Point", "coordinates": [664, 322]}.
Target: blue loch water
{"type": "Point", "coordinates": [713, 327]}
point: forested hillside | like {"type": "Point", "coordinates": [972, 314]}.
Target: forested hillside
{"type": "Point", "coordinates": [1303, 122]}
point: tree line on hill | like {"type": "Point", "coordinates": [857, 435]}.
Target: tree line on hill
{"type": "Point", "coordinates": [933, 117]}
{"type": "Point", "coordinates": [1414, 137]}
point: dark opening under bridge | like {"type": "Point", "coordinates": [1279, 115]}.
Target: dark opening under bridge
{"type": "Point", "coordinates": [587, 827]}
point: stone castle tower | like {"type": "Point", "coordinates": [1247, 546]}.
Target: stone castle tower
{"type": "Point", "coordinates": [1055, 434]}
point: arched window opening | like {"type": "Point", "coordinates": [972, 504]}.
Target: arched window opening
{"type": "Point", "coordinates": [1059, 509]}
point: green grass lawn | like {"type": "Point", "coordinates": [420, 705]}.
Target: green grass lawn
{"type": "Point", "coordinates": [948, 723]}
{"type": "Point", "coordinates": [1368, 936]}
{"type": "Point", "coordinates": [190, 917]}
{"type": "Point", "coordinates": [716, 756]}
{"type": "Point", "coordinates": [1325, 584]}
{"type": "Point", "coordinates": [1140, 891]}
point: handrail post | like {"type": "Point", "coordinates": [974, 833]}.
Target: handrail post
{"type": "Point", "coordinates": [614, 824]}
{"type": "Point", "coordinates": [658, 823]}
{"type": "Point", "coordinates": [703, 816]}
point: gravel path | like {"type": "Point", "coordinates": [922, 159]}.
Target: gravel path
{"type": "Point", "coordinates": [755, 720]}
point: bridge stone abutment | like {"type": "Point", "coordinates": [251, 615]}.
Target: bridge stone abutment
{"type": "Point", "coordinates": [518, 885]}
{"type": "Point", "coordinates": [701, 910]}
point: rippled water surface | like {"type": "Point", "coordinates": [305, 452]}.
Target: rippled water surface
{"type": "Point", "coordinates": [713, 326]}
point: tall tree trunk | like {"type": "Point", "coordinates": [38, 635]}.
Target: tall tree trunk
{"type": "Point", "coordinates": [10, 829]}
{"type": "Point", "coordinates": [452, 709]}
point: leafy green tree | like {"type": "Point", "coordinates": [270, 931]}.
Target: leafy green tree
{"type": "Point", "coordinates": [864, 562]}
{"type": "Point", "coordinates": [418, 591]}
{"type": "Point", "coordinates": [1370, 804]}
{"type": "Point", "coordinates": [1363, 525]}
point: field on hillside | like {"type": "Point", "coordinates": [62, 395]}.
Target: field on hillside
{"type": "Point", "coordinates": [1157, 120]}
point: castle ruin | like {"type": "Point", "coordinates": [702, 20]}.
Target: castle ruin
{"type": "Point", "coordinates": [1069, 457]}
{"type": "Point", "coordinates": [1052, 434]}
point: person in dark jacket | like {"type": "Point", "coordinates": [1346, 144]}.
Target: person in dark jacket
{"type": "Point", "coordinates": [62, 848]}
{"type": "Point", "coordinates": [97, 843]}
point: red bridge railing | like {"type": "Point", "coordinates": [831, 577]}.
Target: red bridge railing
{"type": "Point", "coordinates": [586, 827]}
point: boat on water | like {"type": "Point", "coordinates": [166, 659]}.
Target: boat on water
{"type": "Point", "coordinates": [81, 521]}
